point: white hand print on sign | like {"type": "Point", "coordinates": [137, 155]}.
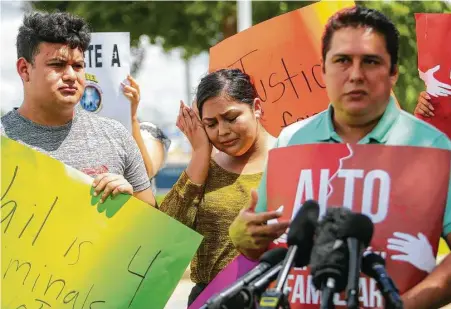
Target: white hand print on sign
{"type": "Point", "coordinates": [417, 250]}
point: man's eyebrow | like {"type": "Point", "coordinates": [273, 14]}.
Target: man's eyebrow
{"type": "Point", "coordinates": [340, 55]}
{"type": "Point", "coordinates": [370, 56]}
{"type": "Point", "coordinates": [62, 60]}
{"type": "Point", "coordinates": [57, 59]}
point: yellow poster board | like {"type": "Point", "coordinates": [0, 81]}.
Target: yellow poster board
{"type": "Point", "coordinates": [61, 248]}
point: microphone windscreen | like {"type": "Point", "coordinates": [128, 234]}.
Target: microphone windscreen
{"type": "Point", "coordinates": [302, 230]}
{"type": "Point", "coordinates": [368, 261]}
{"type": "Point", "coordinates": [274, 256]}
{"type": "Point", "coordinates": [329, 258]}
{"type": "Point", "coordinates": [358, 226]}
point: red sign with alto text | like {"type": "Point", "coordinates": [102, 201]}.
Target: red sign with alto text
{"type": "Point", "coordinates": [403, 193]}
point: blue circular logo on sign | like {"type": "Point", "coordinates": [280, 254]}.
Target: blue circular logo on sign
{"type": "Point", "coordinates": [92, 99]}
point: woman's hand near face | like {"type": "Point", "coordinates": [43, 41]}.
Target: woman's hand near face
{"type": "Point", "coordinates": [189, 123]}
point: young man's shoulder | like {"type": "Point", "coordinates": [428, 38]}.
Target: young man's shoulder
{"type": "Point", "coordinates": [7, 118]}
{"type": "Point", "coordinates": [11, 124]}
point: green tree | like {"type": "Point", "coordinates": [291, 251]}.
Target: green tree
{"type": "Point", "coordinates": [195, 26]}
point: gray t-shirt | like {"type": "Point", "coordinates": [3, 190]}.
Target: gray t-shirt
{"type": "Point", "coordinates": [89, 143]}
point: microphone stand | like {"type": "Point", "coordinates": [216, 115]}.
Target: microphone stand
{"type": "Point", "coordinates": [272, 299]}
{"type": "Point", "coordinates": [327, 294]}
{"type": "Point", "coordinates": [275, 298]}
{"type": "Point", "coordinates": [285, 304]}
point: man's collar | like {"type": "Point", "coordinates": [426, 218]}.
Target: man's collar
{"type": "Point", "coordinates": [380, 132]}
{"type": "Point", "coordinates": [326, 131]}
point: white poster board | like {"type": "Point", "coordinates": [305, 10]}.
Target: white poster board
{"type": "Point", "coordinates": [107, 64]}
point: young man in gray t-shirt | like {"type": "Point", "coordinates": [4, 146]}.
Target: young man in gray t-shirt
{"type": "Point", "coordinates": [50, 50]}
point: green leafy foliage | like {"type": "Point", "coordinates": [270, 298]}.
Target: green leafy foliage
{"type": "Point", "coordinates": [195, 26]}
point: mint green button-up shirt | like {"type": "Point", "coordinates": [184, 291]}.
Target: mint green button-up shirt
{"type": "Point", "coordinates": [396, 127]}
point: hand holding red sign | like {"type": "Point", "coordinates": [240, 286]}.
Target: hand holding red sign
{"type": "Point", "coordinates": [434, 66]}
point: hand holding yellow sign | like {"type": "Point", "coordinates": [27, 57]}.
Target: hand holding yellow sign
{"type": "Point", "coordinates": [61, 249]}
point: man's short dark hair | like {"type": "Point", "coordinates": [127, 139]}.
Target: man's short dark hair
{"type": "Point", "coordinates": [363, 17]}
{"type": "Point", "coordinates": [57, 27]}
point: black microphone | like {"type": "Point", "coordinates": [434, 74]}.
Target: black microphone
{"type": "Point", "coordinates": [247, 297]}
{"type": "Point", "coordinates": [358, 231]}
{"type": "Point", "coordinates": [300, 244]}
{"type": "Point", "coordinates": [267, 260]}
{"type": "Point", "coordinates": [329, 259]}
{"type": "Point", "coordinates": [373, 265]}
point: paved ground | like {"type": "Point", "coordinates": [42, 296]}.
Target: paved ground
{"type": "Point", "coordinates": [179, 298]}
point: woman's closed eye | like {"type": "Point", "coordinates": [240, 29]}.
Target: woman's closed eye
{"type": "Point", "coordinates": [232, 119]}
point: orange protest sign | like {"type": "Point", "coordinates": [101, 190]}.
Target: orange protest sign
{"type": "Point", "coordinates": [283, 56]}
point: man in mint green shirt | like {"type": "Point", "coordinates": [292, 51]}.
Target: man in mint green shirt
{"type": "Point", "coordinates": [396, 127]}
{"type": "Point", "coordinates": [359, 57]}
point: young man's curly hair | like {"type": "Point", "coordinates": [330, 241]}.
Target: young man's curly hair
{"type": "Point", "coordinates": [56, 27]}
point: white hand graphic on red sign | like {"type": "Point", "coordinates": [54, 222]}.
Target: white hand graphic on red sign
{"type": "Point", "coordinates": [434, 87]}
{"type": "Point", "coordinates": [417, 250]}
